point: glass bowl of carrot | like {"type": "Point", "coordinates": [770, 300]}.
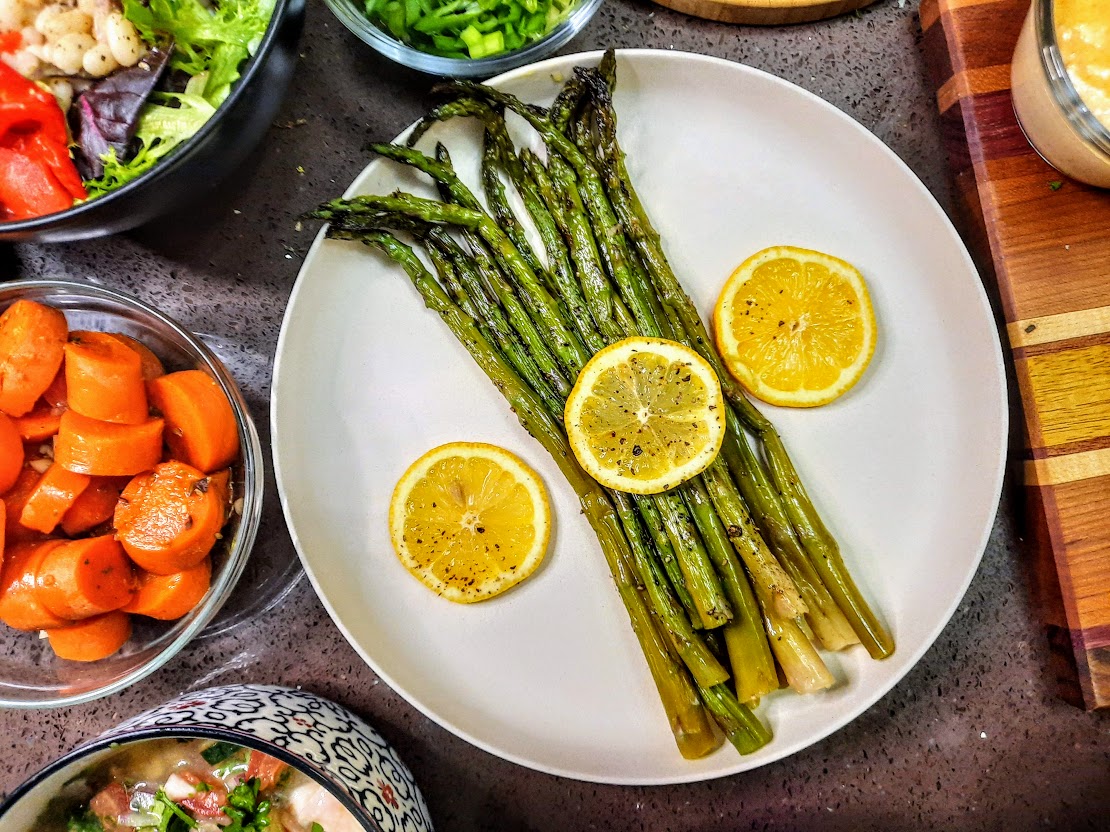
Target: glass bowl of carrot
{"type": "Point", "coordinates": [131, 481]}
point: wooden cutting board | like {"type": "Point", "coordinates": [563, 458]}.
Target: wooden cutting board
{"type": "Point", "coordinates": [1049, 241]}
{"type": "Point", "coordinates": [764, 12]}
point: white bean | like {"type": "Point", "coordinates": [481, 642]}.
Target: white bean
{"type": "Point", "coordinates": [63, 92]}
{"type": "Point", "coordinates": [123, 40]}
{"type": "Point", "coordinates": [69, 52]}
{"type": "Point", "coordinates": [11, 15]}
{"type": "Point", "coordinates": [43, 18]}
{"type": "Point", "coordinates": [22, 62]}
{"type": "Point", "coordinates": [69, 22]}
{"type": "Point", "coordinates": [100, 25]}
{"type": "Point", "coordinates": [98, 61]}
{"type": "Point", "coordinates": [32, 36]}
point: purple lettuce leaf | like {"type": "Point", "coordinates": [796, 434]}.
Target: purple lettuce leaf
{"type": "Point", "coordinates": [105, 116]}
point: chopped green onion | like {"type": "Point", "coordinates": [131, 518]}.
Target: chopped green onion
{"type": "Point", "coordinates": [485, 23]}
{"type": "Point", "coordinates": [439, 24]}
{"type": "Point", "coordinates": [467, 28]}
{"type": "Point", "coordinates": [472, 38]}
{"type": "Point", "coordinates": [512, 16]}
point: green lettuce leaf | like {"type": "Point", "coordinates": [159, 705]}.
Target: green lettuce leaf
{"type": "Point", "coordinates": [161, 129]}
{"type": "Point", "coordinates": [213, 40]}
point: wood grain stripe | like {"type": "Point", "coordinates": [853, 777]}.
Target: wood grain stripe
{"type": "Point", "coordinates": [1070, 392]}
{"type": "Point", "coordinates": [931, 11]}
{"type": "Point", "coordinates": [949, 6]}
{"type": "Point", "coordinates": [1096, 637]}
{"type": "Point", "coordinates": [1049, 328]}
{"type": "Point", "coordinates": [971, 82]}
{"type": "Point", "coordinates": [1071, 468]}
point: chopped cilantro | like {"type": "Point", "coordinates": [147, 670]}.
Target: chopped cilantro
{"type": "Point", "coordinates": [1055, 184]}
{"type": "Point", "coordinates": [244, 796]}
{"type": "Point", "coordinates": [246, 811]}
{"type": "Point", "coordinates": [317, 827]}
{"type": "Point", "coordinates": [173, 816]}
{"type": "Point", "coordinates": [84, 821]}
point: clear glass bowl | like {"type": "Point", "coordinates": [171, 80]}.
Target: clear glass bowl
{"type": "Point", "coordinates": [31, 676]}
{"type": "Point", "coordinates": [350, 13]}
{"type": "Point", "coordinates": [1048, 106]}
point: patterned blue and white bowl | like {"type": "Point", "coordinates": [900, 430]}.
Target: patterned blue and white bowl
{"type": "Point", "coordinates": [314, 735]}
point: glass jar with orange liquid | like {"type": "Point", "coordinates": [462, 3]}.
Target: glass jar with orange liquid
{"type": "Point", "coordinates": [1061, 86]}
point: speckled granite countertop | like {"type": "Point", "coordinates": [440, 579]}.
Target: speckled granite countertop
{"type": "Point", "coordinates": [973, 738]}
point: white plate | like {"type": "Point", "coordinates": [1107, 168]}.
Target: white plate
{"type": "Point", "coordinates": [906, 468]}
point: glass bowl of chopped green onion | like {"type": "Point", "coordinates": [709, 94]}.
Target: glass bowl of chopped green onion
{"type": "Point", "coordinates": [464, 38]}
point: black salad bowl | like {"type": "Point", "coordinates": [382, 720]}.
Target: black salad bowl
{"type": "Point", "coordinates": [220, 146]}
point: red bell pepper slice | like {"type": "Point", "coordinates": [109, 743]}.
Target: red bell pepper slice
{"type": "Point", "coordinates": [55, 156]}
{"type": "Point", "coordinates": [37, 175]}
{"type": "Point", "coordinates": [17, 94]}
{"type": "Point", "coordinates": [29, 188]}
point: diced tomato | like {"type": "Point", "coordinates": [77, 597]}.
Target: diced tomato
{"type": "Point", "coordinates": [205, 805]}
{"type": "Point", "coordinates": [10, 41]}
{"type": "Point", "coordinates": [266, 768]}
{"type": "Point", "coordinates": [110, 804]}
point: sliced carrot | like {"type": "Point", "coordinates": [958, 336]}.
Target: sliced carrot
{"type": "Point", "coordinates": [92, 639]}
{"type": "Point", "coordinates": [52, 498]}
{"type": "Point", "coordinates": [95, 505]}
{"type": "Point", "coordinates": [15, 499]}
{"type": "Point", "coordinates": [20, 605]}
{"type": "Point", "coordinates": [168, 597]}
{"type": "Point", "coordinates": [42, 422]}
{"type": "Point", "coordinates": [105, 449]}
{"type": "Point", "coordinates": [11, 453]}
{"type": "Point", "coordinates": [83, 578]}
{"type": "Point", "coordinates": [104, 379]}
{"type": "Point", "coordinates": [200, 424]}
{"type": "Point", "coordinates": [152, 365]}
{"type": "Point", "coordinates": [56, 395]}
{"type": "Point", "coordinates": [3, 516]}
{"type": "Point", "coordinates": [32, 339]}
{"type": "Point", "coordinates": [38, 425]}
{"type": "Point", "coordinates": [168, 519]}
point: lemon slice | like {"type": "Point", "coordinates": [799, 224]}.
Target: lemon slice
{"type": "Point", "coordinates": [469, 521]}
{"type": "Point", "coordinates": [795, 326]}
{"type": "Point", "coordinates": [645, 415]}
